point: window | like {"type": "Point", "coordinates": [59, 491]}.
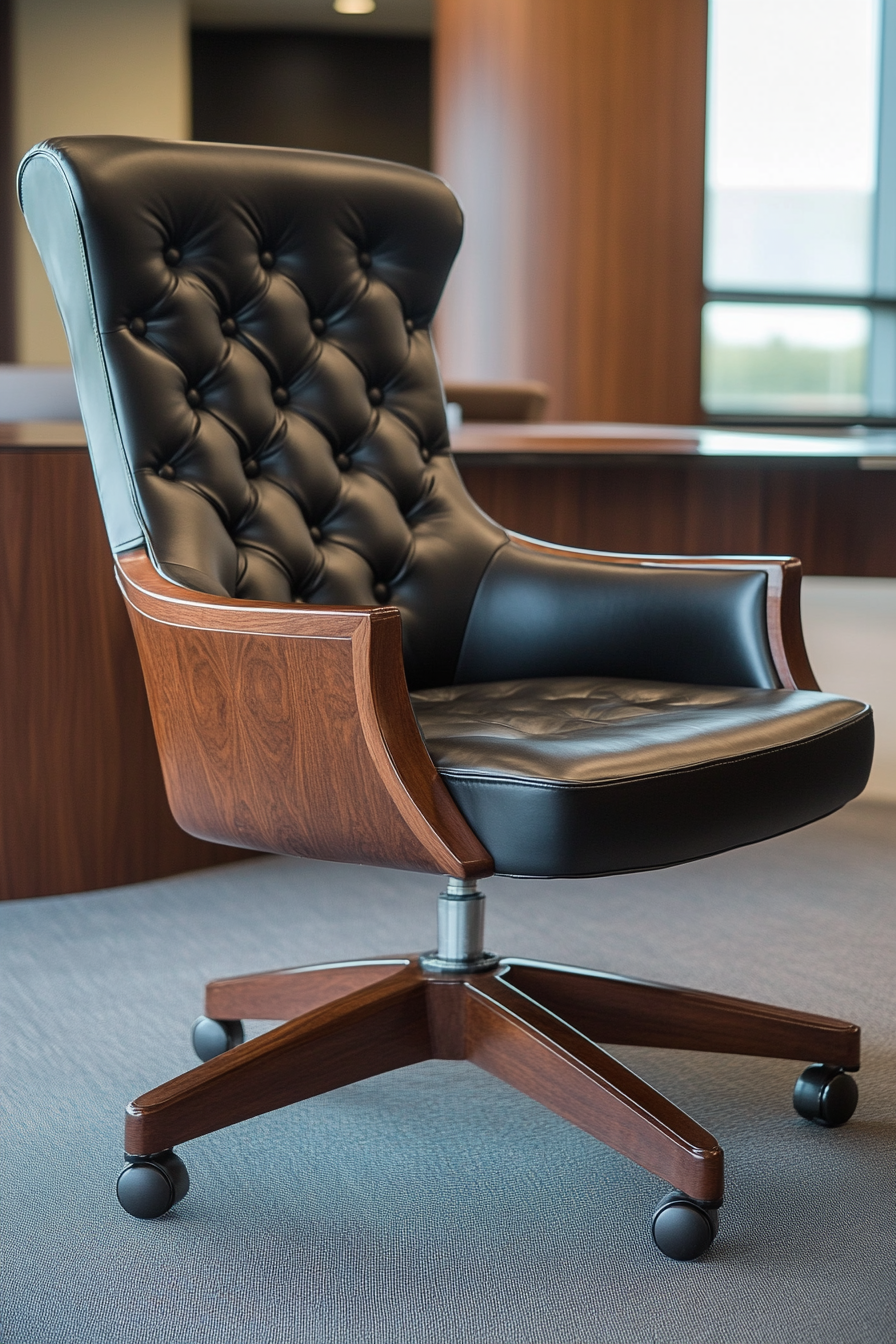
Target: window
{"type": "Point", "coordinates": [800, 237]}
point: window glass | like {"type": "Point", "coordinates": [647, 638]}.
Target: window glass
{"type": "Point", "coordinates": [792, 145]}
{"type": "Point", "coordinates": [785, 359]}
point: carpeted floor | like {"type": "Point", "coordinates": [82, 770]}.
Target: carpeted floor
{"type": "Point", "coordinates": [435, 1205]}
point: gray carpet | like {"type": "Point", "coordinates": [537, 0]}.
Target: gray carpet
{"type": "Point", "coordinates": [435, 1204]}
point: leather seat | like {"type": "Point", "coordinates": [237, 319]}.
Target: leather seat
{"type": "Point", "coordinates": [585, 776]}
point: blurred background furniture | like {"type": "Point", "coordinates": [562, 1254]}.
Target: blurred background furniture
{"type": "Point", "coordinates": [507, 402]}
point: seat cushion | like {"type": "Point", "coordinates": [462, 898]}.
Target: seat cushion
{"type": "Point", "coordinates": [583, 776]}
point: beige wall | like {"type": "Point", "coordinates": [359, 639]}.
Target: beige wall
{"type": "Point", "coordinates": [84, 67]}
{"type": "Point", "coordinates": [850, 627]}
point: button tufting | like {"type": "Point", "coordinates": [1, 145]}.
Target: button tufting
{"type": "Point", "coordinates": [364, 259]}
{"type": "Point", "coordinates": [316, 534]}
{"type": "Point", "coordinates": [193, 398]}
{"type": "Point", "coordinates": [318, 326]}
{"type": "Point", "coordinates": [425, 454]}
{"type": "Point", "coordinates": [137, 326]}
{"type": "Point", "coordinates": [381, 592]}
{"type": "Point", "coordinates": [167, 472]}
{"type": "Point", "coordinates": [280, 395]}
{"type": "Point", "coordinates": [375, 396]}
{"type": "Point", "coordinates": [228, 326]}
{"type": "Point", "coordinates": [266, 259]}
{"type": "Point", "coordinates": [343, 461]}
{"type": "Point", "coordinates": [172, 256]}
{"type": "Point", "coordinates": [251, 467]}
{"type": "Point", "coordinates": [409, 324]}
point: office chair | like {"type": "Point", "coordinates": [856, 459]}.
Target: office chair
{"type": "Point", "coordinates": [346, 659]}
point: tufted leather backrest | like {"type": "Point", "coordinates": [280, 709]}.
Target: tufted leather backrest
{"type": "Point", "coordinates": [250, 331]}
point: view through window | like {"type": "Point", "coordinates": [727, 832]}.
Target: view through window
{"type": "Point", "coordinates": [800, 235]}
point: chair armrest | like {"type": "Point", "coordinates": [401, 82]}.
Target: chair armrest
{"type": "Point", "coordinates": [545, 610]}
{"type": "Point", "coordinates": [290, 729]}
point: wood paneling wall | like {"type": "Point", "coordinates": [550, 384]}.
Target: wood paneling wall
{"type": "Point", "coordinates": [82, 803]}
{"type": "Point", "coordinates": [7, 189]}
{"type": "Point", "coordinates": [573, 133]}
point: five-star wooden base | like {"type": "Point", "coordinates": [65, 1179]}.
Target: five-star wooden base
{"type": "Point", "coordinates": [532, 1024]}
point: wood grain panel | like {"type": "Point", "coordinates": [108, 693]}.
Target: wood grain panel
{"type": "Point", "coordinates": [82, 803]}
{"type": "Point", "coordinates": [278, 995]}
{"type": "Point", "coordinates": [573, 133]}
{"type": "Point", "coordinates": [289, 728]}
{"type": "Point", "coordinates": [376, 1029]}
{"type": "Point", "coordinates": [518, 1041]}
{"type": "Point", "coordinates": [836, 517]}
{"type": "Point", "coordinates": [621, 1011]}
{"type": "Point", "coordinates": [7, 188]}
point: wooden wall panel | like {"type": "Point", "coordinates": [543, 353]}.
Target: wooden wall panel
{"type": "Point", "coordinates": [573, 133]}
{"type": "Point", "coordinates": [835, 517]}
{"type": "Point", "coordinates": [7, 189]}
{"type": "Point", "coordinates": [82, 803]}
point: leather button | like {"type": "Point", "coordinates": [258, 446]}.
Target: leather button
{"type": "Point", "coordinates": [316, 534]}
{"type": "Point", "coordinates": [364, 259]}
{"type": "Point", "coordinates": [425, 454]}
{"type": "Point", "coordinates": [193, 398]}
{"type": "Point", "coordinates": [228, 326]}
{"type": "Point", "coordinates": [167, 472]}
{"type": "Point", "coordinates": [251, 467]}
{"type": "Point", "coordinates": [281, 396]}
{"type": "Point", "coordinates": [343, 461]}
{"type": "Point", "coordinates": [318, 326]}
{"type": "Point", "coordinates": [172, 256]}
{"type": "Point", "coordinates": [266, 259]}
{"type": "Point", "coordinates": [375, 396]}
{"type": "Point", "coordinates": [137, 326]}
{"type": "Point", "coordinates": [409, 324]}
{"type": "Point", "coordinates": [381, 592]}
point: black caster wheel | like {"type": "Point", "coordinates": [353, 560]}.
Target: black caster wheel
{"type": "Point", "coordinates": [151, 1185]}
{"type": "Point", "coordinates": [826, 1094]}
{"type": "Point", "coordinates": [211, 1037]}
{"type": "Point", "coordinates": [682, 1227]}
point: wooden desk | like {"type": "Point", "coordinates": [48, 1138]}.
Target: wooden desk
{"type": "Point", "coordinates": [829, 499]}
{"type": "Point", "coordinates": [82, 803]}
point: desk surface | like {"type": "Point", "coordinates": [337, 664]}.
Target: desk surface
{"type": "Point", "coordinates": [547, 443]}
{"type": "Point", "coordinates": [578, 441]}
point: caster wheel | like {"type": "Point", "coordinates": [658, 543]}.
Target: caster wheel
{"type": "Point", "coordinates": [826, 1094]}
{"type": "Point", "coordinates": [149, 1186]}
{"type": "Point", "coordinates": [211, 1037]}
{"type": "Point", "coordinates": [682, 1227]}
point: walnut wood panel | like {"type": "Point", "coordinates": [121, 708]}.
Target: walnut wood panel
{"type": "Point", "coordinates": [376, 1029]}
{"type": "Point", "coordinates": [290, 729]}
{"type": "Point", "coordinates": [521, 1043]}
{"type": "Point", "coordinates": [621, 1011]}
{"type": "Point", "coordinates": [7, 187]}
{"type": "Point", "coordinates": [83, 803]}
{"type": "Point", "coordinates": [573, 133]}
{"type": "Point", "coordinates": [278, 995]}
{"type": "Point", "coordinates": [835, 516]}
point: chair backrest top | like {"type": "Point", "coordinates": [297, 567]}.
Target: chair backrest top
{"type": "Point", "coordinates": [250, 332]}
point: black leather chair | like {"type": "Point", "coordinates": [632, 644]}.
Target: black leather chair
{"type": "Point", "coordinates": [308, 582]}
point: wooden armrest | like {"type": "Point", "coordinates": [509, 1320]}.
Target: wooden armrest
{"type": "Point", "coordinates": [782, 602]}
{"type": "Point", "coordinates": [290, 729]}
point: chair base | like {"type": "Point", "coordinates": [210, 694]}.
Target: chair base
{"type": "Point", "coordinates": [530, 1023]}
